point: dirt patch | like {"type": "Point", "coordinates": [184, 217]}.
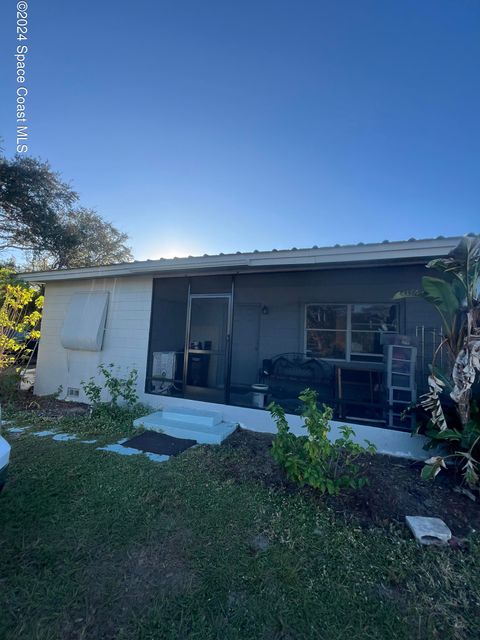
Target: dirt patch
{"type": "Point", "coordinates": [395, 488]}
{"type": "Point", "coordinates": [125, 584]}
{"type": "Point", "coordinates": [259, 464]}
{"type": "Point", "coordinates": [47, 406]}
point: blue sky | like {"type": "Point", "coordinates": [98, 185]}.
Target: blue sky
{"type": "Point", "coordinates": [200, 127]}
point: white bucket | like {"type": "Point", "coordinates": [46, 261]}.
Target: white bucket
{"type": "Point", "coordinates": [259, 395]}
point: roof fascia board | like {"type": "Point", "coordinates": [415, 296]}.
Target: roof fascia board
{"type": "Point", "coordinates": [331, 256]}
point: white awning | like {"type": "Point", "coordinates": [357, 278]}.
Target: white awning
{"type": "Point", "coordinates": [84, 324]}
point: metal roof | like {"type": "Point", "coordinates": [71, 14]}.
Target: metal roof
{"type": "Point", "coordinates": [408, 251]}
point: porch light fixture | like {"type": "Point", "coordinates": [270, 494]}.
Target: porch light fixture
{"type": "Point", "coordinates": [265, 310]}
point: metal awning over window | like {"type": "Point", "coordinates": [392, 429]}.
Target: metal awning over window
{"type": "Point", "coordinates": [84, 324]}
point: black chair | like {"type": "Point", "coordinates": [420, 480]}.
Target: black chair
{"type": "Point", "coordinates": [288, 374]}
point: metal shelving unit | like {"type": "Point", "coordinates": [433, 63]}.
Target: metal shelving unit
{"type": "Point", "coordinates": [401, 386]}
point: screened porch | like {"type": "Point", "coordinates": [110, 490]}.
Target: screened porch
{"type": "Point", "coordinates": [249, 339]}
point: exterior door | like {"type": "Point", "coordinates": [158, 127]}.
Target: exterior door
{"type": "Point", "coordinates": [207, 349]}
{"type": "Point", "coordinates": [245, 347]}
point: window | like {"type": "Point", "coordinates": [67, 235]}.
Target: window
{"type": "Point", "coordinates": [327, 330]}
{"type": "Point", "coordinates": [348, 331]}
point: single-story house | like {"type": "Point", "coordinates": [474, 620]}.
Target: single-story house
{"type": "Point", "coordinates": [229, 333]}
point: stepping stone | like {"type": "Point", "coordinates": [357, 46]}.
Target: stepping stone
{"type": "Point", "coordinates": [17, 429]}
{"type": "Point", "coordinates": [118, 448]}
{"type": "Point", "coordinates": [64, 437]}
{"type": "Point", "coordinates": [44, 434]}
{"type": "Point", "coordinates": [156, 457]}
{"type": "Point", "coordinates": [429, 530]}
{"type": "Point", "coordinates": [260, 543]}
{"type": "Point", "coordinates": [88, 441]}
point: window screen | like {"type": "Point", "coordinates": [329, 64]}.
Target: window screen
{"type": "Point", "coordinates": [84, 324]}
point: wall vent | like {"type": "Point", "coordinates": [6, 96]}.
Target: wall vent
{"type": "Point", "coordinates": [72, 392]}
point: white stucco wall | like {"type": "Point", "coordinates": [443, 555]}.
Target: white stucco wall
{"type": "Point", "coordinates": [126, 345]}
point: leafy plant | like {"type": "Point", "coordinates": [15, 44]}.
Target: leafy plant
{"type": "Point", "coordinates": [107, 419]}
{"type": "Point", "coordinates": [92, 390]}
{"type": "Point", "coordinates": [456, 297]}
{"type": "Point", "coordinates": [20, 316]}
{"type": "Point", "coordinates": [118, 388]}
{"type": "Point", "coordinates": [315, 460]}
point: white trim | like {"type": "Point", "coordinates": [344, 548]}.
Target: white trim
{"type": "Point", "coordinates": [409, 250]}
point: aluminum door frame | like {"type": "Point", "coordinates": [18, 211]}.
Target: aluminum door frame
{"type": "Point", "coordinates": [228, 338]}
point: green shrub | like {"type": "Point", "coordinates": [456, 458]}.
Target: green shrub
{"type": "Point", "coordinates": [326, 465]}
{"type": "Point", "coordinates": [118, 388]}
{"type": "Point", "coordinates": [110, 420]}
{"type": "Point", "coordinates": [20, 315]}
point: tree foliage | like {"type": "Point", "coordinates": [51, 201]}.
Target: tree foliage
{"type": "Point", "coordinates": [7, 276]}
{"type": "Point", "coordinates": [20, 316]}
{"type": "Point", "coordinates": [41, 217]}
{"type": "Point", "coordinates": [455, 294]}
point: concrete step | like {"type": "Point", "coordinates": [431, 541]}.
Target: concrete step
{"type": "Point", "coordinates": [202, 433]}
{"type": "Point", "coordinates": [195, 416]}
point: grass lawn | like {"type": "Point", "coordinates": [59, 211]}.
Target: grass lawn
{"type": "Point", "coordinates": [94, 545]}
